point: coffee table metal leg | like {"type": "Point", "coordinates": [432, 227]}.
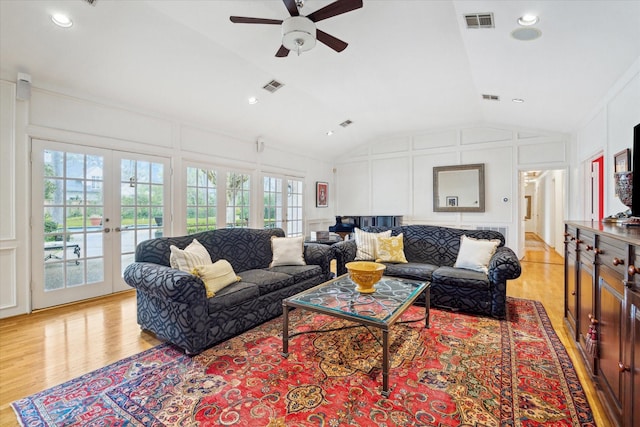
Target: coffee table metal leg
{"type": "Point", "coordinates": [427, 304]}
{"type": "Point", "coordinates": [385, 363]}
{"type": "Point", "coordinates": [285, 330]}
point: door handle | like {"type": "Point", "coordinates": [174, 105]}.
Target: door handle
{"type": "Point", "coordinates": [117, 229]}
{"type": "Point", "coordinates": [106, 229]}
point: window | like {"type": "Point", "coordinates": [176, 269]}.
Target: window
{"type": "Point", "coordinates": [273, 212]}
{"type": "Point", "coordinates": [201, 200]}
{"type": "Point", "coordinates": [238, 199]}
{"type": "Point", "coordinates": [294, 207]}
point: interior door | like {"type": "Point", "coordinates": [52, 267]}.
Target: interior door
{"type": "Point", "coordinates": [91, 207]}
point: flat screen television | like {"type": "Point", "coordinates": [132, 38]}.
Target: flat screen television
{"type": "Point", "coordinates": [635, 167]}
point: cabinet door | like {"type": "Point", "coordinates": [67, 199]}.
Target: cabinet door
{"type": "Point", "coordinates": [570, 275]}
{"type": "Point", "coordinates": [610, 320]}
{"type": "Point", "coordinates": [630, 366]}
{"type": "Point", "coordinates": [586, 309]}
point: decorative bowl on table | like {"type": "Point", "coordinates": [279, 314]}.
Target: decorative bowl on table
{"type": "Point", "coordinates": [365, 274]}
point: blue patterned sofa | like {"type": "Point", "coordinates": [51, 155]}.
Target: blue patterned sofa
{"type": "Point", "coordinates": [173, 304]}
{"type": "Point", "coordinates": [431, 252]}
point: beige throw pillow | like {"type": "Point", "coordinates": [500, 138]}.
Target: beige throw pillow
{"type": "Point", "coordinates": [186, 259]}
{"type": "Point", "coordinates": [287, 251]}
{"type": "Point", "coordinates": [366, 244]}
{"type": "Point", "coordinates": [475, 254]}
{"type": "Point", "coordinates": [391, 249]}
{"type": "Point", "coordinates": [216, 276]}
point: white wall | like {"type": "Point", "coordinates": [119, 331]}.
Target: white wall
{"type": "Point", "coordinates": [59, 117]}
{"type": "Point", "coordinates": [394, 176]}
{"type": "Point", "coordinates": [608, 129]}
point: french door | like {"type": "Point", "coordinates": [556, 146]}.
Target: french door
{"type": "Point", "coordinates": [283, 204]}
{"type": "Point", "coordinates": [91, 207]}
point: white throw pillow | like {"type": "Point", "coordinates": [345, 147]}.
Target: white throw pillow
{"type": "Point", "coordinates": [366, 244]}
{"type": "Point", "coordinates": [186, 259]}
{"type": "Point", "coordinates": [287, 251]}
{"type": "Point", "coordinates": [475, 254]}
{"type": "Point", "coordinates": [216, 276]}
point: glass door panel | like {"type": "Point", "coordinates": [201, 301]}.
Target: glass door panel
{"type": "Point", "coordinates": [69, 187]}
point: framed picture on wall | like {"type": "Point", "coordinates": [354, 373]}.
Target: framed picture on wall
{"type": "Point", "coordinates": [322, 194]}
{"type": "Point", "coordinates": [622, 160]}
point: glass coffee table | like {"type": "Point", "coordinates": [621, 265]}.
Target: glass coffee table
{"type": "Point", "coordinates": [380, 309]}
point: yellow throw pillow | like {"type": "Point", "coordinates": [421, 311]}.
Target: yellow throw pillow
{"type": "Point", "coordinates": [475, 254]}
{"type": "Point", "coordinates": [366, 244]}
{"type": "Point", "coordinates": [186, 259]}
{"type": "Point", "coordinates": [390, 249]}
{"type": "Point", "coordinates": [216, 276]}
{"type": "Point", "coordinates": [287, 251]}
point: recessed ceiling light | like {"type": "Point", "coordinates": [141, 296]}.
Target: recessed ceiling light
{"type": "Point", "coordinates": [61, 20]}
{"type": "Point", "coordinates": [518, 100]}
{"type": "Point", "coordinates": [253, 100]}
{"type": "Point", "coordinates": [329, 133]}
{"type": "Point", "coordinates": [528, 20]}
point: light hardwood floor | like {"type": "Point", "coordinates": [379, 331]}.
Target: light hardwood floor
{"type": "Point", "coordinates": [43, 349]}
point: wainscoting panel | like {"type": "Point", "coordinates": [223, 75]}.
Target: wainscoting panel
{"type": "Point", "coordinates": [9, 289]}
{"type": "Point", "coordinates": [7, 161]}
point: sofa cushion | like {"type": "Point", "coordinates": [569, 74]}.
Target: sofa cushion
{"type": "Point", "coordinates": [366, 244]}
{"type": "Point", "coordinates": [411, 270]}
{"type": "Point", "coordinates": [287, 251]}
{"type": "Point", "coordinates": [266, 280]}
{"type": "Point", "coordinates": [188, 258]}
{"type": "Point", "coordinates": [231, 296]}
{"type": "Point", "coordinates": [475, 254]}
{"type": "Point", "coordinates": [390, 249]}
{"type": "Point", "coordinates": [299, 272]}
{"type": "Point", "coordinates": [460, 277]}
{"type": "Point", "coordinates": [216, 276]}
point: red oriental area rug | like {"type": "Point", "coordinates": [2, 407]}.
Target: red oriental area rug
{"type": "Point", "coordinates": [464, 371]}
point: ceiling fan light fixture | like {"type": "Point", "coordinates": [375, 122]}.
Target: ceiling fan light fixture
{"type": "Point", "coordinates": [298, 34]}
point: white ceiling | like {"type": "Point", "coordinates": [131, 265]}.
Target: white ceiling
{"type": "Point", "coordinates": [410, 66]}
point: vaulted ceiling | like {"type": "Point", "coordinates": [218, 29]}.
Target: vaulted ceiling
{"type": "Point", "coordinates": [410, 66]}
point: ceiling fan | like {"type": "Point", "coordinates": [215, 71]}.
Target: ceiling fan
{"type": "Point", "coordinates": [299, 33]}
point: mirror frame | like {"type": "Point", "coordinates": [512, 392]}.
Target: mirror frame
{"type": "Point", "coordinates": [436, 180]}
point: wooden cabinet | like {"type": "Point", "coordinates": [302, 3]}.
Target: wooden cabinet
{"type": "Point", "coordinates": [602, 291]}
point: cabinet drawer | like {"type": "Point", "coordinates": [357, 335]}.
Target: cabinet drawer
{"type": "Point", "coordinates": [613, 254]}
{"type": "Point", "coordinates": [634, 273]}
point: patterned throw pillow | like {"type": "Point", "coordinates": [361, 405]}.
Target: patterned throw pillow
{"type": "Point", "coordinates": [186, 259]}
{"type": "Point", "coordinates": [216, 276]}
{"type": "Point", "coordinates": [475, 254]}
{"type": "Point", "coordinates": [366, 244]}
{"type": "Point", "coordinates": [390, 249]}
{"type": "Point", "coordinates": [287, 251]}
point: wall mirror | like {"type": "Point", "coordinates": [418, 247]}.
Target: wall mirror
{"type": "Point", "coordinates": [458, 188]}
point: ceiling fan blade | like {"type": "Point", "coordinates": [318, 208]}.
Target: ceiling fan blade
{"type": "Point", "coordinates": [338, 7]}
{"type": "Point", "coordinates": [334, 43]}
{"type": "Point", "coordinates": [282, 52]}
{"type": "Point", "coordinates": [291, 7]}
{"type": "Point", "coordinates": [245, 20]}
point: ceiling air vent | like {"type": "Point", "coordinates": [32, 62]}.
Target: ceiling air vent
{"type": "Point", "coordinates": [479, 20]}
{"type": "Point", "coordinates": [272, 86]}
{"type": "Point", "coordinates": [91, 2]}
{"type": "Point", "coordinates": [346, 123]}
{"type": "Point", "coordinates": [490, 97]}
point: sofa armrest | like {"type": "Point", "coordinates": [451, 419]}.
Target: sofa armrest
{"type": "Point", "coordinates": [504, 265]}
{"type": "Point", "coordinates": [344, 252]}
{"type": "Point", "coordinates": [319, 254]}
{"type": "Point", "coordinates": [165, 282]}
